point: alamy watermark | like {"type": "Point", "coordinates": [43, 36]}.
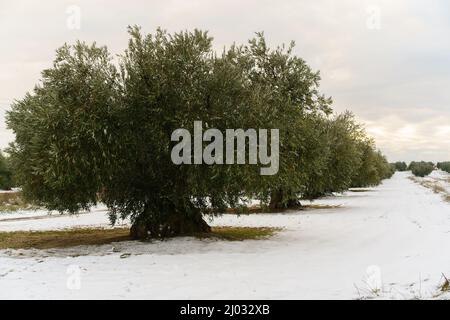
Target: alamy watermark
{"type": "Point", "coordinates": [73, 21]}
{"type": "Point", "coordinates": [73, 281]}
{"type": "Point", "coordinates": [236, 142]}
{"type": "Point", "coordinates": [373, 20]}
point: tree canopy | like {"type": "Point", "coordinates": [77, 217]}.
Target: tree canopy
{"type": "Point", "coordinates": [422, 168]}
{"type": "Point", "coordinates": [6, 178]}
{"type": "Point", "coordinates": [444, 166]}
{"type": "Point", "coordinates": [94, 130]}
{"type": "Point", "coordinates": [400, 166]}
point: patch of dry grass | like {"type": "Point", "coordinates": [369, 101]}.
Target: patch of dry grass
{"type": "Point", "coordinates": [247, 210]}
{"type": "Point", "coordinates": [61, 238]}
{"type": "Point", "coordinates": [239, 233]}
{"type": "Point", "coordinates": [434, 186]}
{"type": "Point", "coordinates": [322, 206]}
{"type": "Point", "coordinates": [258, 209]}
{"type": "Point", "coordinates": [438, 188]}
{"type": "Point", "coordinates": [98, 236]}
{"type": "Point", "coordinates": [445, 286]}
{"type": "Point", "coordinates": [13, 201]}
{"type": "Point", "coordinates": [360, 190]}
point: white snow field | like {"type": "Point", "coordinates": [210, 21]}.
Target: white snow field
{"type": "Point", "coordinates": [390, 243]}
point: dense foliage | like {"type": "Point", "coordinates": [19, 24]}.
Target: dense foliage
{"type": "Point", "coordinates": [421, 169]}
{"type": "Point", "coordinates": [92, 131]}
{"type": "Point", "coordinates": [347, 159]}
{"type": "Point", "coordinates": [5, 173]}
{"type": "Point", "coordinates": [400, 166]}
{"type": "Point", "coordinates": [374, 167]}
{"type": "Point", "coordinates": [444, 166]}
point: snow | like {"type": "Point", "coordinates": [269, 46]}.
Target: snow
{"type": "Point", "coordinates": [440, 178]}
{"type": "Point", "coordinates": [393, 237]}
{"type": "Point", "coordinates": [41, 220]}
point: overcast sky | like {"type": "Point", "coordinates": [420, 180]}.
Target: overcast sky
{"type": "Point", "coordinates": [387, 61]}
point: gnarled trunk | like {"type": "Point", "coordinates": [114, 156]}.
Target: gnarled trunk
{"type": "Point", "coordinates": [169, 225]}
{"type": "Point", "coordinates": [277, 201]}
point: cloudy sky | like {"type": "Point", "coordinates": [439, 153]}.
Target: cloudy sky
{"type": "Point", "coordinates": [387, 61]}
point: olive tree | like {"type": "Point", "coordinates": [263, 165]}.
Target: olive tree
{"type": "Point", "coordinates": [93, 132]}
{"type": "Point", "coordinates": [95, 129]}
{"type": "Point", "coordinates": [289, 100]}
{"type": "Point", "coordinates": [341, 156]}
{"type": "Point", "coordinates": [444, 166]}
{"type": "Point", "coordinates": [374, 166]}
{"type": "Point", "coordinates": [422, 168]}
{"type": "Point", "coordinates": [400, 166]}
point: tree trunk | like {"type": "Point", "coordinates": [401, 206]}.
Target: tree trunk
{"type": "Point", "coordinates": [171, 225]}
{"type": "Point", "coordinates": [277, 201]}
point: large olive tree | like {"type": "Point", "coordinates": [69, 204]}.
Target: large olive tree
{"type": "Point", "coordinates": [95, 130]}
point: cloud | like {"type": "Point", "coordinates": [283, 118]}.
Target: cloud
{"type": "Point", "coordinates": [405, 140]}
{"type": "Point", "coordinates": [387, 61]}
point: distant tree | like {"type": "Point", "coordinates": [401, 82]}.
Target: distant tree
{"type": "Point", "coordinates": [401, 166]}
{"type": "Point", "coordinates": [422, 168]}
{"type": "Point", "coordinates": [341, 156]}
{"type": "Point", "coordinates": [385, 170]}
{"type": "Point", "coordinates": [444, 166]}
{"type": "Point", "coordinates": [374, 167]}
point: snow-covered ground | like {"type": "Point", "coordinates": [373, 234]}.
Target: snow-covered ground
{"type": "Point", "coordinates": [438, 178]}
{"type": "Point", "coordinates": [394, 237]}
{"type": "Point", "coordinates": [40, 220]}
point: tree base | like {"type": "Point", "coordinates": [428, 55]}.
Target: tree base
{"type": "Point", "coordinates": [277, 203]}
{"type": "Point", "coordinates": [290, 204]}
{"type": "Point", "coordinates": [174, 225]}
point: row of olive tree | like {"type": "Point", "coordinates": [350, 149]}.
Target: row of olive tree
{"type": "Point", "coordinates": [93, 130]}
{"type": "Point", "coordinates": [346, 158]}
